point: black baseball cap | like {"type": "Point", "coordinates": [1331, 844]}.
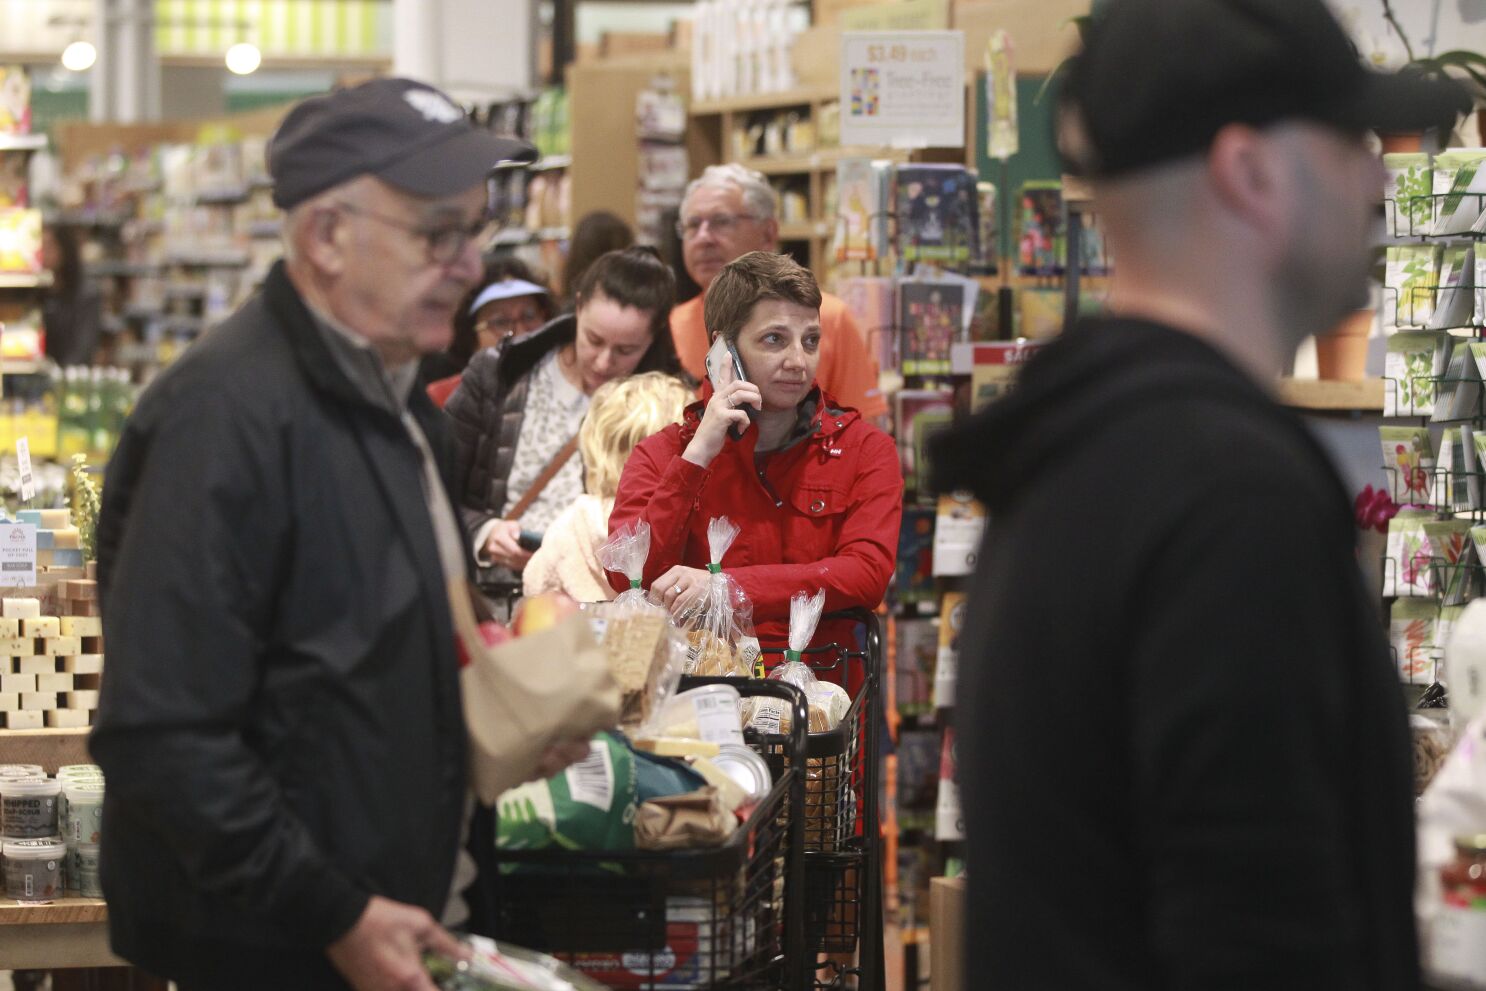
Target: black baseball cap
{"type": "Point", "coordinates": [1157, 79]}
{"type": "Point", "coordinates": [402, 131]}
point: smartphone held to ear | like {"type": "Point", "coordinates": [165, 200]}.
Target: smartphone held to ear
{"type": "Point", "coordinates": [723, 368]}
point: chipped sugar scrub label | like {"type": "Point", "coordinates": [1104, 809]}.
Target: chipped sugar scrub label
{"type": "Point", "coordinates": [28, 809]}
{"type": "Point", "coordinates": [33, 869]}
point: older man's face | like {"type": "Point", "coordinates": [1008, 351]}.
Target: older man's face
{"type": "Point", "coordinates": [392, 290]}
{"type": "Point", "coordinates": [718, 229]}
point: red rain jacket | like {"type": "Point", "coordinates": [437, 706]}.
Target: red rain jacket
{"type": "Point", "coordinates": [821, 513]}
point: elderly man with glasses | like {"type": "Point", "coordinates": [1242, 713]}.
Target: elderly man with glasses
{"type": "Point", "coordinates": [281, 724]}
{"type": "Point", "coordinates": [727, 213]}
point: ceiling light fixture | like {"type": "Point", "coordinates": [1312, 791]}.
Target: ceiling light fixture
{"type": "Point", "coordinates": [79, 56]}
{"type": "Point", "coordinates": [244, 58]}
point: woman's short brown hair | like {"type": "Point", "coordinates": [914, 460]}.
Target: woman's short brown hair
{"type": "Point", "coordinates": [748, 280]}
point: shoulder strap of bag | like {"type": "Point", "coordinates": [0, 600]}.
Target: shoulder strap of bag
{"type": "Point", "coordinates": [548, 473]}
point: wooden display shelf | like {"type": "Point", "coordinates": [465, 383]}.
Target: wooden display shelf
{"type": "Point", "coordinates": [51, 748]}
{"type": "Point", "coordinates": [804, 230]}
{"type": "Point", "coordinates": [63, 911]}
{"type": "Point", "coordinates": [823, 160]}
{"type": "Point", "coordinates": [22, 142]}
{"type": "Point", "coordinates": [763, 101]}
{"type": "Point", "coordinates": [1325, 395]}
{"type": "Point", "coordinates": [25, 280]}
{"type": "Point", "coordinates": [71, 932]}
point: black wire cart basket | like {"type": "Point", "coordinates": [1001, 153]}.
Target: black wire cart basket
{"type": "Point", "coordinates": [842, 833]}
{"type": "Point", "coordinates": [719, 918]}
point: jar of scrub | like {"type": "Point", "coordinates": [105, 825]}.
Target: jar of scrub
{"type": "Point", "coordinates": [33, 869]}
{"type": "Point", "coordinates": [82, 820]}
{"type": "Point", "coordinates": [28, 808]}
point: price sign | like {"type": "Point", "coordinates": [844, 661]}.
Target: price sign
{"type": "Point", "coordinates": [17, 554]}
{"type": "Point", "coordinates": [905, 89]}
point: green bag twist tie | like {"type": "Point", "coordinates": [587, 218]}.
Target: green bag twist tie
{"type": "Point", "coordinates": [634, 583]}
{"type": "Point", "coordinates": [716, 569]}
{"type": "Point", "coordinates": [792, 655]}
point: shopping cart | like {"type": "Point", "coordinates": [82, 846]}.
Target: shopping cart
{"type": "Point", "coordinates": [842, 833]}
{"type": "Point", "coordinates": [676, 920]}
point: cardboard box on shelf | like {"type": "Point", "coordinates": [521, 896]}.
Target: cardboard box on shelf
{"type": "Point", "coordinates": [947, 933]}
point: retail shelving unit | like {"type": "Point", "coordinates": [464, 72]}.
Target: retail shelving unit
{"type": "Point", "coordinates": [810, 168]}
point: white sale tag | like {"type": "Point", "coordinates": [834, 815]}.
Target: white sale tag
{"type": "Point", "coordinates": [17, 554]}
{"type": "Point", "coordinates": [28, 481]}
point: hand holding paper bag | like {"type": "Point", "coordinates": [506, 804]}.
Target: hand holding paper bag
{"type": "Point", "coordinates": [523, 696]}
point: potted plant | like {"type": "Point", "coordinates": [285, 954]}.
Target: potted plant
{"type": "Point", "coordinates": [1465, 67]}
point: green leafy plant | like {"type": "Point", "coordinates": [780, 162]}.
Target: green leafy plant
{"type": "Point", "coordinates": [85, 506]}
{"type": "Point", "coordinates": [1470, 67]}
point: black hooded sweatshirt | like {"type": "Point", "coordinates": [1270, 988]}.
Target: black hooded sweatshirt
{"type": "Point", "coordinates": [1184, 756]}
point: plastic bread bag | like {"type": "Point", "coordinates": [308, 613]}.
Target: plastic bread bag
{"type": "Point", "coordinates": [638, 635]}
{"type": "Point", "coordinates": [771, 715]}
{"type": "Point", "coordinates": [711, 622]}
{"type": "Point", "coordinates": [625, 553]}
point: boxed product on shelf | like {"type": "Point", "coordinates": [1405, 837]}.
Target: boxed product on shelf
{"type": "Point", "coordinates": [1041, 244]}
{"type": "Point", "coordinates": [919, 413]}
{"type": "Point", "coordinates": [938, 214]}
{"type": "Point", "coordinates": [15, 100]}
{"type": "Point", "coordinates": [872, 300]}
{"type": "Point", "coordinates": [20, 240]}
{"type": "Point", "coordinates": [947, 660]}
{"type": "Point", "coordinates": [13, 185]}
{"type": "Point", "coordinates": [914, 580]}
{"type": "Point", "coordinates": [918, 645]}
{"type": "Point", "coordinates": [862, 209]}
{"type": "Point", "coordinates": [958, 529]}
{"type": "Point", "coordinates": [931, 317]}
{"type": "Point", "coordinates": [949, 816]}
{"type": "Point", "coordinates": [918, 768]}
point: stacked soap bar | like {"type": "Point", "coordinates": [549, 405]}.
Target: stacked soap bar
{"type": "Point", "coordinates": [59, 549]}
{"type": "Point", "coordinates": [51, 666]}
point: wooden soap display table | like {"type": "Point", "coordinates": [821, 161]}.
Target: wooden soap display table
{"type": "Point", "coordinates": [70, 932]}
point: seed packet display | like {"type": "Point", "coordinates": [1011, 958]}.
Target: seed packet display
{"type": "Point", "coordinates": [1410, 279]}
{"type": "Point", "coordinates": [1457, 481]}
{"type": "Point", "coordinates": [1408, 464]}
{"type": "Point", "coordinates": [1448, 545]}
{"type": "Point", "coordinates": [1460, 387]}
{"type": "Point", "coordinates": [1406, 197]}
{"type": "Point", "coordinates": [1405, 557]}
{"type": "Point", "coordinates": [1412, 629]}
{"type": "Point", "coordinates": [1455, 301]}
{"type": "Point", "coordinates": [1412, 371]}
{"type": "Point", "coordinates": [1459, 189]}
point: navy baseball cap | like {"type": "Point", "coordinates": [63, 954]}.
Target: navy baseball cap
{"type": "Point", "coordinates": [406, 133]}
{"type": "Point", "coordinates": [1157, 79]}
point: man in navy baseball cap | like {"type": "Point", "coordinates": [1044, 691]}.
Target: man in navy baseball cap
{"type": "Point", "coordinates": [404, 132]}
{"type": "Point", "coordinates": [281, 725]}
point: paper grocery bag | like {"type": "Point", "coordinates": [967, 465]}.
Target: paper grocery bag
{"type": "Point", "coordinates": [525, 694]}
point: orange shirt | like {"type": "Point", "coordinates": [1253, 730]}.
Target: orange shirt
{"type": "Point", "coordinates": [847, 370]}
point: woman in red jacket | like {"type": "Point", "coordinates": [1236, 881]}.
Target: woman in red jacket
{"type": "Point", "coordinates": [816, 490]}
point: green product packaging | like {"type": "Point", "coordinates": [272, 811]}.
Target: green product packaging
{"type": "Point", "coordinates": [1459, 189]}
{"type": "Point", "coordinates": [1405, 540]}
{"type": "Point", "coordinates": [589, 806]}
{"type": "Point", "coordinates": [1408, 464]}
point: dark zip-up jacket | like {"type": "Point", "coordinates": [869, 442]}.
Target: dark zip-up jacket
{"type": "Point", "coordinates": [280, 723]}
{"type": "Point", "coordinates": [1183, 751]}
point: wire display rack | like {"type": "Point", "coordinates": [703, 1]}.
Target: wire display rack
{"type": "Point", "coordinates": [717, 918]}
{"type": "Point", "coordinates": [842, 841]}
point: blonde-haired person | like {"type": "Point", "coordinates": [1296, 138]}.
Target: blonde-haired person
{"type": "Point", "coordinates": [620, 415]}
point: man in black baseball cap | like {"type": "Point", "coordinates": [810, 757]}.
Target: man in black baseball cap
{"type": "Point", "coordinates": [1190, 767]}
{"type": "Point", "coordinates": [281, 725]}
